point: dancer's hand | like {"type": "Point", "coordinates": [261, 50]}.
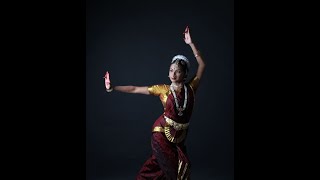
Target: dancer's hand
{"type": "Point", "coordinates": [107, 82]}
{"type": "Point", "coordinates": [187, 36]}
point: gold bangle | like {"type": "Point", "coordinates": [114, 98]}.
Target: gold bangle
{"type": "Point", "coordinates": [197, 54]}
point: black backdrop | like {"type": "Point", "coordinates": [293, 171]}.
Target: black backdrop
{"type": "Point", "coordinates": [135, 42]}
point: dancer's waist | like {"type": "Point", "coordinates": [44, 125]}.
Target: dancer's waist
{"type": "Point", "coordinates": [172, 123]}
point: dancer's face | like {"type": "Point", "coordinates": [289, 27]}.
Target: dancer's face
{"type": "Point", "coordinates": [176, 74]}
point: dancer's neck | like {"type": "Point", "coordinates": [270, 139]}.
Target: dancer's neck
{"type": "Point", "coordinates": [177, 86]}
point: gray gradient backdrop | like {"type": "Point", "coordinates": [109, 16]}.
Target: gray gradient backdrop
{"type": "Point", "coordinates": [135, 42]}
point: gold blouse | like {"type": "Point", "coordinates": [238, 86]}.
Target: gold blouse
{"type": "Point", "coordinates": [163, 90]}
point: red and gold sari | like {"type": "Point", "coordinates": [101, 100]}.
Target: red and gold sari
{"type": "Point", "coordinates": [169, 158]}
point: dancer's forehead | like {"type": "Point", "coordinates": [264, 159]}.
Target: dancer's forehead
{"type": "Point", "coordinates": [175, 66]}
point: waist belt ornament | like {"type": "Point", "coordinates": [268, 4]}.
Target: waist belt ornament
{"type": "Point", "coordinates": [167, 130]}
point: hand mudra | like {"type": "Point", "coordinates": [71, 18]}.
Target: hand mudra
{"type": "Point", "coordinates": [107, 81]}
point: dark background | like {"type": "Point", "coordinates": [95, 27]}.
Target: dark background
{"type": "Point", "coordinates": [135, 42]}
{"type": "Point", "coordinates": [44, 87]}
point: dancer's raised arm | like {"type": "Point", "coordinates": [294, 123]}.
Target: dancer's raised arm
{"type": "Point", "coordinates": [201, 64]}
